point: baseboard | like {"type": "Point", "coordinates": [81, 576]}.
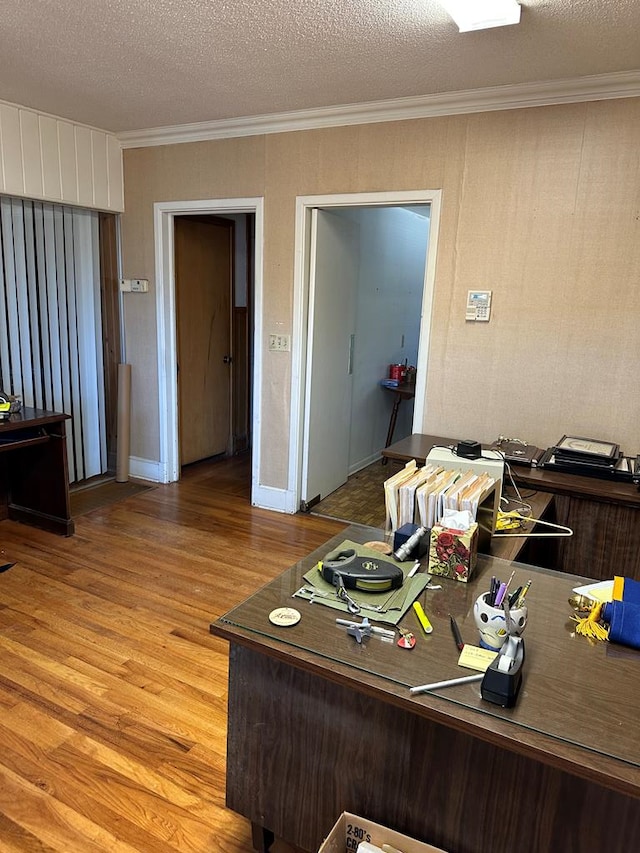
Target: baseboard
{"type": "Point", "coordinates": [279, 500]}
{"type": "Point", "coordinates": [147, 469]}
{"type": "Point", "coordinates": [364, 463]}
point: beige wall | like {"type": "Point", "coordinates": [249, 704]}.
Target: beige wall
{"type": "Point", "coordinates": [542, 206]}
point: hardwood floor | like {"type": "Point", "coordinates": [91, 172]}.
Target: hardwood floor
{"type": "Point", "coordinates": [112, 691]}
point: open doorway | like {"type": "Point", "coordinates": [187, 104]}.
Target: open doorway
{"type": "Point", "coordinates": [214, 284]}
{"type": "Point", "coordinates": [344, 349]}
{"type": "Point", "coordinates": [244, 218]}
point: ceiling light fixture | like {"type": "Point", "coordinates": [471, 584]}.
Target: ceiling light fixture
{"type": "Point", "coordinates": [482, 14]}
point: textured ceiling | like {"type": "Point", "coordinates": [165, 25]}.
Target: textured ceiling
{"type": "Point", "coordinates": [134, 64]}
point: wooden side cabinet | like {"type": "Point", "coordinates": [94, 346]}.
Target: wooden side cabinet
{"type": "Point", "coordinates": [605, 541]}
{"type": "Point", "coordinates": [34, 477]}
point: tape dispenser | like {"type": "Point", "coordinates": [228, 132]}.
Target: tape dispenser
{"type": "Point", "coordinates": [503, 678]}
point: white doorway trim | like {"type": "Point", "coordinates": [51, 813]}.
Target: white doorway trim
{"type": "Point", "coordinates": [163, 216]}
{"type": "Point", "coordinates": [304, 205]}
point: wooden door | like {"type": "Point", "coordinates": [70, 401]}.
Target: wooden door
{"type": "Point", "coordinates": [203, 252]}
{"type": "Point", "coordinates": [333, 282]}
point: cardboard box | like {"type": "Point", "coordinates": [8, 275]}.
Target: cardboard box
{"type": "Point", "coordinates": [350, 830]}
{"type": "Point", "coordinates": [453, 553]}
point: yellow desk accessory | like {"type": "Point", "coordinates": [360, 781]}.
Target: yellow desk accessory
{"type": "Point", "coordinates": [422, 617]}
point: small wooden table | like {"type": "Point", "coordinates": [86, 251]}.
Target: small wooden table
{"type": "Point", "coordinates": [34, 477]}
{"type": "Point", "coordinates": [401, 392]}
{"type": "Point", "coordinates": [318, 724]}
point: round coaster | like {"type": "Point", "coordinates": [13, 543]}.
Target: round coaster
{"type": "Point", "coordinates": [382, 547]}
{"type": "Point", "coordinates": [284, 616]}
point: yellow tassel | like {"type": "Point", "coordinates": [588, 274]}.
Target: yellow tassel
{"type": "Point", "coordinates": [590, 626]}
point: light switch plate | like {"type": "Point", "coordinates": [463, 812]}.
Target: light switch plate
{"type": "Point", "coordinates": [134, 285]}
{"type": "Point", "coordinates": [279, 343]}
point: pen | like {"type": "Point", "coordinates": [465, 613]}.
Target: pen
{"type": "Point", "coordinates": [457, 636]}
{"type": "Point", "coordinates": [492, 591]}
{"type": "Point", "coordinates": [466, 679]}
{"type": "Point", "coordinates": [514, 596]}
{"type": "Point", "coordinates": [422, 617]}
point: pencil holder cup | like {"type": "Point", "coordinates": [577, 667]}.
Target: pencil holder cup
{"type": "Point", "coordinates": [491, 623]}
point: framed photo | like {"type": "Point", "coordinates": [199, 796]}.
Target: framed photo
{"type": "Point", "coordinates": [573, 445]}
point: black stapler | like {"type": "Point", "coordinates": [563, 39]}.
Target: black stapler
{"type": "Point", "coordinates": [503, 678]}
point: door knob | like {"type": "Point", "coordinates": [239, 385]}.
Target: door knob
{"type": "Point", "coordinates": [227, 359]}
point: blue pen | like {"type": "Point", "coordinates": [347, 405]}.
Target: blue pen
{"type": "Point", "coordinates": [500, 595]}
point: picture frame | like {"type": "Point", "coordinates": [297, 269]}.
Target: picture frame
{"type": "Point", "coordinates": [587, 448]}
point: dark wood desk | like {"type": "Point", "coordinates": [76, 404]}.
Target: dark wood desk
{"type": "Point", "coordinates": [318, 724]}
{"type": "Point", "coordinates": [603, 514]}
{"type": "Point", "coordinates": [34, 478]}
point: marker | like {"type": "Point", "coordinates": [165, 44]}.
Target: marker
{"type": "Point", "coordinates": [466, 679]}
{"type": "Point", "coordinates": [501, 591]}
{"type": "Point", "coordinates": [422, 617]}
{"type": "Point", "coordinates": [457, 636]}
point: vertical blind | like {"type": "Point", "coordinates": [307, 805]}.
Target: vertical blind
{"type": "Point", "coordinates": [50, 321]}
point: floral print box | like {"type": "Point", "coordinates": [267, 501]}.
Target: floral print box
{"type": "Point", "coordinates": [453, 553]}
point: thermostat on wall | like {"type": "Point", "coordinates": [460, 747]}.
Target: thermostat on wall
{"type": "Point", "coordinates": [478, 305]}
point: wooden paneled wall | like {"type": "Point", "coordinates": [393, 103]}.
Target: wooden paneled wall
{"type": "Point", "coordinates": [47, 158]}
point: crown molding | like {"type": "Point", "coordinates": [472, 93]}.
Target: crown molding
{"type": "Point", "coordinates": [624, 84]}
